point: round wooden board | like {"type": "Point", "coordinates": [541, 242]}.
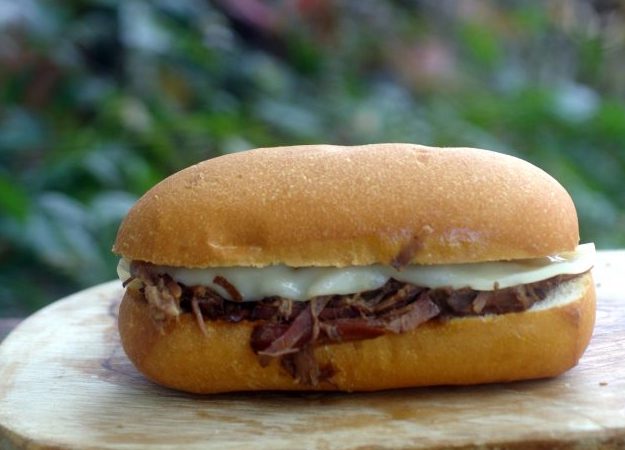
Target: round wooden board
{"type": "Point", "coordinates": [66, 383]}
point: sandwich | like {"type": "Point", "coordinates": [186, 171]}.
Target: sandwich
{"type": "Point", "coordinates": [354, 269]}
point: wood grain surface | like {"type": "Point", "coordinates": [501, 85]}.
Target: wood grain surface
{"type": "Point", "coordinates": [6, 325]}
{"type": "Point", "coordinates": [66, 383]}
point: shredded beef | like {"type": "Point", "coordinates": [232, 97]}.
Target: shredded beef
{"type": "Point", "coordinates": [289, 330]}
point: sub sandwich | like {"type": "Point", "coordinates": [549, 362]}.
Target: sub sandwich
{"type": "Point", "coordinates": [355, 269]}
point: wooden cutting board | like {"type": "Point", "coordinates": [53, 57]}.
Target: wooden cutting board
{"type": "Point", "coordinates": [66, 383]}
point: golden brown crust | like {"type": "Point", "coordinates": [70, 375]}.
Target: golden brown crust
{"type": "Point", "coordinates": [337, 206]}
{"type": "Point", "coordinates": [516, 346]}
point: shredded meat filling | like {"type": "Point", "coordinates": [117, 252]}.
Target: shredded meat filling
{"type": "Point", "coordinates": [289, 330]}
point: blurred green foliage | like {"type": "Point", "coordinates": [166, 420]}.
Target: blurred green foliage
{"type": "Point", "coordinates": [100, 99]}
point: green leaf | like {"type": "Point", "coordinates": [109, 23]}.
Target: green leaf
{"type": "Point", "coordinates": [481, 42]}
{"type": "Point", "coordinates": [13, 200]}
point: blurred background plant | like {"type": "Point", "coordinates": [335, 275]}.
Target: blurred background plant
{"type": "Point", "coordinates": [100, 99]}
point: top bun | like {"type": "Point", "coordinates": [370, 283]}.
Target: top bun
{"type": "Point", "coordinates": [323, 205]}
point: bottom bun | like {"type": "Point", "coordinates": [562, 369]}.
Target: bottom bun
{"type": "Point", "coordinates": [543, 341]}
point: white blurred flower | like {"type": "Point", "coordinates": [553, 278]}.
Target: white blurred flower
{"type": "Point", "coordinates": [575, 102]}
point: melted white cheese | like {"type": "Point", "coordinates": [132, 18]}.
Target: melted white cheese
{"type": "Point", "coordinates": [302, 283]}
